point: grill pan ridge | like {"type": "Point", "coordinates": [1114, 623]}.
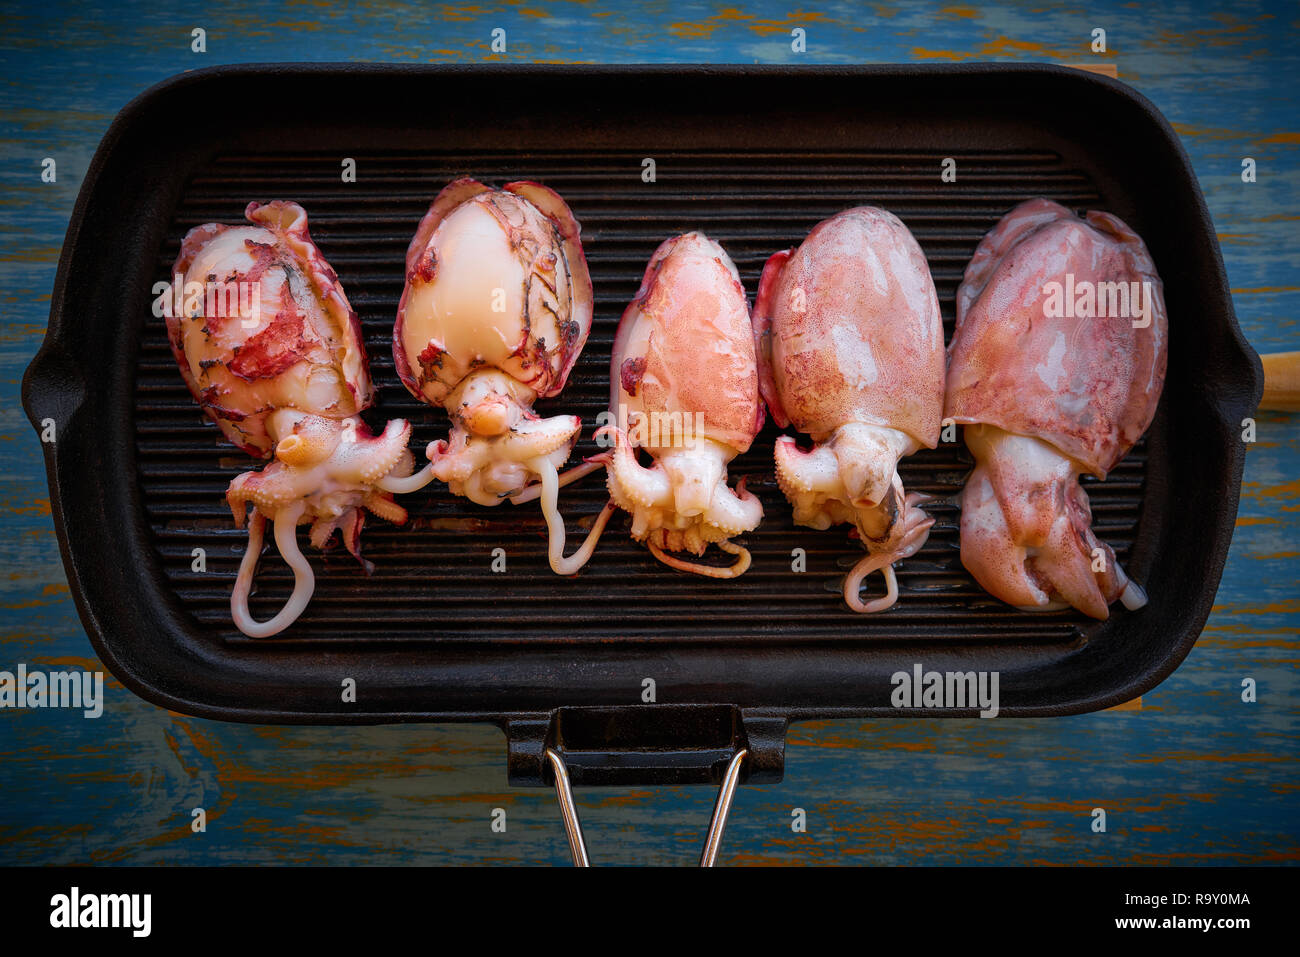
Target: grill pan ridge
{"type": "Point", "coordinates": [138, 476]}
{"type": "Point", "coordinates": [437, 568]}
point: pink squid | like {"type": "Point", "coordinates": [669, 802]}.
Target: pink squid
{"type": "Point", "coordinates": [684, 390]}
{"type": "Point", "coordinates": [496, 309]}
{"type": "Point", "coordinates": [850, 345]}
{"type": "Point", "coordinates": [1055, 369]}
{"type": "Point", "coordinates": [272, 351]}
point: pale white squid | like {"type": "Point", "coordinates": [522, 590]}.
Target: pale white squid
{"type": "Point", "coordinates": [1055, 369]}
{"type": "Point", "coordinates": [272, 351]}
{"type": "Point", "coordinates": [850, 346]}
{"type": "Point", "coordinates": [496, 308]}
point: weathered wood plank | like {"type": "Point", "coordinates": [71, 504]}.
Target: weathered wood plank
{"type": "Point", "coordinates": [1195, 776]}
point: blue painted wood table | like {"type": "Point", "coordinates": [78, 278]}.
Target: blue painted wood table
{"type": "Point", "coordinates": [1195, 775]}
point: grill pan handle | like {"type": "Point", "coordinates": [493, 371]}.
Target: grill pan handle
{"type": "Point", "coordinates": [1281, 382]}
{"type": "Point", "coordinates": [717, 823]}
{"type": "Point", "coordinates": [645, 745]}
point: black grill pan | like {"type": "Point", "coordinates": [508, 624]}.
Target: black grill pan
{"type": "Point", "coordinates": [755, 156]}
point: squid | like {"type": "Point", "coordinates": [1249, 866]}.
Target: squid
{"type": "Point", "coordinates": [850, 345]}
{"type": "Point", "coordinates": [1055, 370]}
{"type": "Point", "coordinates": [684, 388]}
{"type": "Point", "coordinates": [272, 351]}
{"type": "Point", "coordinates": [495, 311]}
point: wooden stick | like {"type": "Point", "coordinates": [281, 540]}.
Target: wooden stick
{"type": "Point", "coordinates": [1281, 382]}
{"type": "Point", "coordinates": [1104, 68]}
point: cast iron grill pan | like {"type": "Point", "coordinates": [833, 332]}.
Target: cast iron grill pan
{"type": "Point", "coordinates": [754, 156]}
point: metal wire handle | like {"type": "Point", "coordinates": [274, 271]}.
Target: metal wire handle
{"type": "Point", "coordinates": [712, 839]}
{"type": "Point", "coordinates": [568, 810]}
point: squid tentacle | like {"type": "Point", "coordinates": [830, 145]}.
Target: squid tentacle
{"type": "Point", "coordinates": [737, 568]}
{"type": "Point", "coordinates": [649, 495]}
{"type": "Point", "coordinates": [555, 522]}
{"type": "Point", "coordinates": [304, 580]}
{"type": "Point", "coordinates": [385, 508]}
{"type": "Point", "coordinates": [853, 582]}
{"type": "Point", "coordinates": [641, 487]}
{"type": "Point", "coordinates": [326, 474]}
{"type": "Point", "coordinates": [488, 461]}
{"type": "Point", "coordinates": [402, 485]}
{"type": "Point", "coordinates": [734, 511]}
{"type": "Point", "coordinates": [1026, 529]}
{"type": "Point", "coordinates": [916, 530]}
{"type": "Point", "coordinates": [567, 477]}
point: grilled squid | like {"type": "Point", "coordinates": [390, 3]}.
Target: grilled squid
{"type": "Point", "coordinates": [496, 308]}
{"type": "Point", "coordinates": [1055, 369]}
{"type": "Point", "coordinates": [684, 389]}
{"type": "Point", "coordinates": [272, 351]}
{"type": "Point", "coordinates": [850, 345]}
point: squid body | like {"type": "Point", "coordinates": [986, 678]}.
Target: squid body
{"type": "Point", "coordinates": [684, 389]}
{"type": "Point", "coordinates": [272, 351]}
{"type": "Point", "coordinates": [496, 309]}
{"type": "Point", "coordinates": [1055, 369]}
{"type": "Point", "coordinates": [850, 345]}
